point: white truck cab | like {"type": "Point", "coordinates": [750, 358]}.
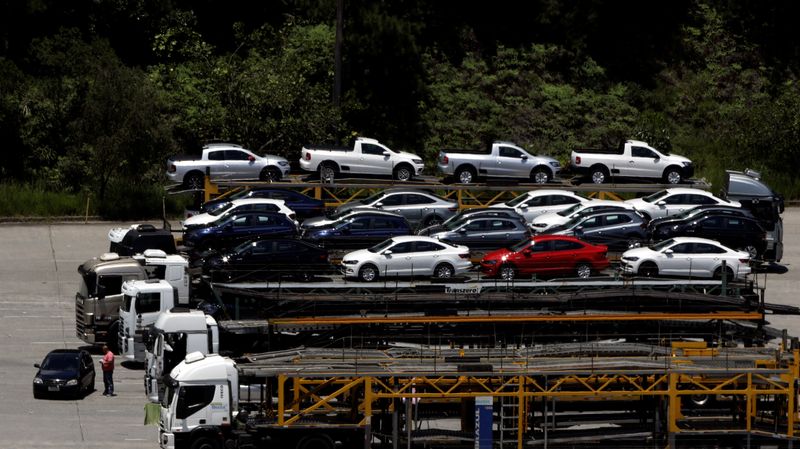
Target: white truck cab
{"type": "Point", "coordinates": [142, 302]}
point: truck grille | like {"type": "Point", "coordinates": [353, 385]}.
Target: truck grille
{"type": "Point", "coordinates": [80, 318]}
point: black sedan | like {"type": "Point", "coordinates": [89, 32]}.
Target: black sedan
{"type": "Point", "coordinates": [266, 259]}
{"type": "Point", "coordinates": [64, 372]}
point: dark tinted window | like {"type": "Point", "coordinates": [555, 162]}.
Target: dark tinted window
{"type": "Point", "coordinates": [675, 199]}
{"type": "Point", "coordinates": [257, 207]}
{"type": "Point", "coordinates": [707, 248]}
{"type": "Point", "coordinates": [557, 200]}
{"type": "Point", "coordinates": [368, 148]}
{"type": "Point", "coordinates": [263, 247]}
{"type": "Point", "coordinates": [700, 199]}
{"type": "Point", "coordinates": [240, 221]}
{"type": "Point", "coordinates": [428, 246]}
{"type": "Point", "coordinates": [418, 199]}
{"type": "Point", "coordinates": [401, 248]}
{"type": "Point", "coordinates": [539, 247]}
{"type": "Point", "coordinates": [360, 223]}
{"type": "Point", "coordinates": [501, 225]}
{"type": "Point", "coordinates": [642, 152]}
{"type": "Point", "coordinates": [536, 201]}
{"type": "Point", "coordinates": [289, 247]}
{"type": "Point", "coordinates": [236, 155]}
{"type": "Point", "coordinates": [60, 361]}
{"type": "Point", "coordinates": [510, 152]}
{"type": "Point", "coordinates": [112, 284]}
{"type": "Point", "coordinates": [392, 200]}
{"type": "Point", "coordinates": [682, 248]}
{"type": "Point", "coordinates": [193, 398]}
{"type": "Point", "coordinates": [384, 223]}
{"type": "Point", "coordinates": [218, 155]}
{"type": "Point", "coordinates": [592, 222]}
{"type": "Point", "coordinates": [148, 302]}
{"type": "Point", "coordinates": [566, 245]}
{"type": "Point", "coordinates": [476, 225]}
{"type": "Point", "coordinates": [711, 222]}
{"type": "Point", "coordinates": [614, 219]}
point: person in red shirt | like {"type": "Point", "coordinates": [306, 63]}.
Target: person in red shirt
{"type": "Point", "coordinates": [107, 362]}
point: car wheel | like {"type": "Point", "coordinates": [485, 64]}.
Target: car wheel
{"type": "Point", "coordinates": [194, 181]}
{"type": "Point", "coordinates": [507, 272]}
{"type": "Point", "coordinates": [673, 176]}
{"type": "Point", "coordinates": [465, 175]}
{"type": "Point", "coordinates": [368, 273]}
{"type": "Point", "coordinates": [648, 270]}
{"type": "Point", "coordinates": [540, 176]}
{"type": "Point", "coordinates": [403, 173]}
{"type": "Point", "coordinates": [270, 174]}
{"type": "Point", "coordinates": [599, 174]}
{"type": "Point", "coordinates": [583, 270]}
{"type": "Point", "coordinates": [205, 443]}
{"type": "Point", "coordinates": [433, 220]}
{"type": "Point", "coordinates": [728, 273]}
{"type": "Point", "coordinates": [444, 271]}
{"type": "Point", "coordinates": [751, 250]}
{"type": "Point", "coordinates": [327, 173]}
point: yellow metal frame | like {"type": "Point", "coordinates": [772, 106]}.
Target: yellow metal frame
{"type": "Point", "coordinates": [304, 396]}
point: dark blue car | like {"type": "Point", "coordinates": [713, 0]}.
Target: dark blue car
{"type": "Point", "coordinates": [238, 228]}
{"type": "Point", "coordinates": [359, 230]}
{"type": "Point", "coordinates": [303, 205]}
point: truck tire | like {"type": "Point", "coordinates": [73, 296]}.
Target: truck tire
{"type": "Point", "coordinates": [598, 174]}
{"type": "Point", "coordinates": [270, 174]}
{"type": "Point", "coordinates": [327, 172]}
{"type": "Point", "coordinates": [315, 442]}
{"type": "Point", "coordinates": [403, 173]}
{"type": "Point", "coordinates": [194, 181]}
{"type": "Point", "coordinates": [541, 175]}
{"type": "Point", "coordinates": [465, 174]}
{"type": "Point", "coordinates": [673, 175]}
{"type": "Point", "coordinates": [205, 443]}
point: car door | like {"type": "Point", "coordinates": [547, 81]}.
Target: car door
{"type": "Point", "coordinates": [533, 207]}
{"type": "Point", "coordinates": [670, 205]}
{"type": "Point", "coordinates": [643, 163]}
{"type": "Point", "coordinates": [392, 202]}
{"type": "Point", "coordinates": [217, 164]}
{"type": "Point", "coordinates": [240, 164]}
{"type": "Point", "coordinates": [705, 258]}
{"type": "Point", "coordinates": [239, 229]}
{"type": "Point", "coordinates": [87, 371]}
{"type": "Point", "coordinates": [616, 230]}
{"type": "Point", "coordinates": [677, 261]}
{"type": "Point", "coordinates": [565, 255]}
{"type": "Point", "coordinates": [536, 258]}
{"type": "Point", "coordinates": [589, 229]}
{"type": "Point", "coordinates": [400, 260]}
{"type": "Point", "coordinates": [374, 159]}
{"type": "Point", "coordinates": [426, 256]}
{"type": "Point", "coordinates": [511, 163]}
{"type": "Point", "coordinates": [472, 233]}
{"type": "Point", "coordinates": [501, 232]}
{"type": "Point", "coordinates": [358, 233]}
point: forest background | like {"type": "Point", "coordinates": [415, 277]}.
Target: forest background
{"type": "Point", "coordinates": [96, 94]}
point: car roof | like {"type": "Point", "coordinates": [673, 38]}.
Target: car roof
{"type": "Point", "coordinates": [411, 238]}
{"type": "Point", "coordinates": [543, 192]}
{"type": "Point", "coordinates": [695, 240]}
{"type": "Point", "coordinates": [367, 211]}
{"type": "Point", "coordinates": [674, 190]}
{"type": "Point", "coordinates": [545, 237]}
{"type": "Point", "coordinates": [66, 351]}
{"type": "Point", "coordinates": [240, 201]}
{"type": "Point", "coordinates": [408, 190]}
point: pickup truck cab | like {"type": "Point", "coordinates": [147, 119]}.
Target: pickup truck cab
{"type": "Point", "coordinates": [225, 161]}
{"type": "Point", "coordinates": [366, 157]}
{"type": "Point", "coordinates": [502, 160]}
{"type": "Point", "coordinates": [632, 159]}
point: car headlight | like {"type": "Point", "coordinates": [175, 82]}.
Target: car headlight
{"type": "Point", "coordinates": [489, 262]}
{"type": "Point", "coordinates": [555, 164]}
{"type": "Point", "coordinates": [38, 380]}
{"type": "Point", "coordinates": [72, 382]}
{"type": "Point", "coordinates": [539, 225]}
{"type": "Point", "coordinates": [283, 163]}
{"type": "Point", "coordinates": [350, 262]}
{"type": "Point", "coordinates": [630, 258]}
{"type": "Point", "coordinates": [686, 164]}
{"type": "Point", "coordinates": [417, 161]}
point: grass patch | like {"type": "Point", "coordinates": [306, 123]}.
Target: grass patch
{"type": "Point", "coordinates": [19, 200]}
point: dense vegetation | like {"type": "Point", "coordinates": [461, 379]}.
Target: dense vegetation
{"type": "Point", "coordinates": [95, 94]}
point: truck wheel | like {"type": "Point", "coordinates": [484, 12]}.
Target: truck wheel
{"type": "Point", "coordinates": [327, 173]}
{"type": "Point", "coordinates": [205, 443]}
{"type": "Point", "coordinates": [403, 173]}
{"type": "Point", "coordinates": [368, 273]}
{"type": "Point", "coordinates": [540, 175]}
{"type": "Point", "coordinates": [465, 175]}
{"type": "Point", "coordinates": [194, 181]}
{"type": "Point", "coordinates": [315, 442]}
{"type": "Point", "coordinates": [444, 271]}
{"type": "Point", "coordinates": [270, 174]}
{"type": "Point", "coordinates": [599, 174]}
{"type": "Point", "coordinates": [672, 175]}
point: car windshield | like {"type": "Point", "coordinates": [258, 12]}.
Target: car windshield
{"type": "Point", "coordinates": [381, 246]}
{"type": "Point", "coordinates": [685, 214]}
{"type": "Point", "coordinates": [221, 209]}
{"type": "Point", "coordinates": [570, 210]}
{"type": "Point", "coordinates": [654, 197]}
{"type": "Point", "coordinates": [573, 222]}
{"type": "Point", "coordinates": [339, 224]}
{"type": "Point", "coordinates": [373, 198]}
{"type": "Point", "coordinates": [60, 362]}
{"type": "Point", "coordinates": [242, 247]}
{"type": "Point", "coordinates": [522, 244]}
{"type": "Point", "coordinates": [661, 245]}
{"type": "Point", "coordinates": [520, 199]}
{"type": "Point", "coordinates": [455, 224]}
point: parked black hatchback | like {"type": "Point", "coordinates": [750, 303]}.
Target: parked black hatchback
{"type": "Point", "coordinates": [265, 259]}
{"type": "Point", "coordinates": [64, 372]}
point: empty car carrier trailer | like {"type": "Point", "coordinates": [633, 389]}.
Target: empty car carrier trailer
{"type": "Point", "coordinates": [562, 395]}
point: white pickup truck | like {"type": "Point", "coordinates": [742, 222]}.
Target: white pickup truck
{"type": "Point", "coordinates": [502, 160]}
{"type": "Point", "coordinates": [632, 159]}
{"type": "Point", "coordinates": [366, 157]}
{"type": "Point", "coordinates": [225, 161]}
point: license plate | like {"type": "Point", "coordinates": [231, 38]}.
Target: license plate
{"type": "Point", "coordinates": [53, 388]}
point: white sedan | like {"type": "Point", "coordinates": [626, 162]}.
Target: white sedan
{"type": "Point", "coordinates": [407, 256]}
{"type": "Point", "coordinates": [686, 257]}
{"type": "Point", "coordinates": [543, 201]}
{"type": "Point", "coordinates": [544, 222]}
{"type": "Point", "coordinates": [238, 206]}
{"type": "Point", "coordinates": [673, 201]}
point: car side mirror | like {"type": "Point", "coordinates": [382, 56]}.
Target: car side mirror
{"type": "Point", "coordinates": [527, 251]}
{"type": "Point", "coordinates": [228, 226]}
{"type": "Point", "coordinates": [524, 157]}
{"type": "Point", "coordinates": [656, 159]}
{"type": "Point", "coordinates": [251, 158]}
{"type": "Point", "coordinates": [661, 203]}
{"type": "Point", "coordinates": [36, 365]}
{"type": "Point", "coordinates": [385, 153]}
{"type": "Point", "coordinates": [378, 205]}
{"type": "Point", "coordinates": [387, 253]}
{"type": "Point", "coordinates": [668, 251]}
{"type": "Point", "coordinates": [462, 231]}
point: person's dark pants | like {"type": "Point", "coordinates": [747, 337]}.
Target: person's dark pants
{"type": "Point", "coordinates": [108, 382]}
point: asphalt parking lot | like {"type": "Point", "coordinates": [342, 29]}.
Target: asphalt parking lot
{"type": "Point", "coordinates": [39, 280]}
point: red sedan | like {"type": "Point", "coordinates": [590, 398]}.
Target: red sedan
{"type": "Point", "coordinates": [544, 255]}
